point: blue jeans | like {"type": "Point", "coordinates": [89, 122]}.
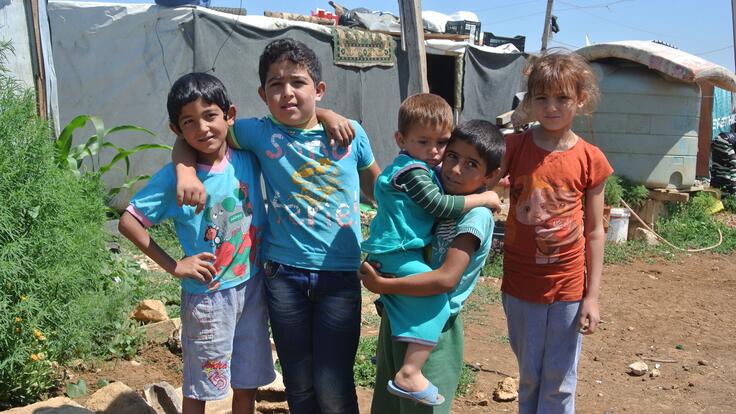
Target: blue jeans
{"type": "Point", "coordinates": [547, 345]}
{"type": "Point", "coordinates": [315, 320]}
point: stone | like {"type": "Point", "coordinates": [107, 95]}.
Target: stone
{"type": "Point", "coordinates": [270, 407]}
{"type": "Point", "coordinates": [118, 398]}
{"type": "Point", "coordinates": [654, 374]}
{"type": "Point", "coordinates": [274, 392]}
{"type": "Point", "coordinates": [174, 342]}
{"type": "Point", "coordinates": [58, 405]}
{"type": "Point", "coordinates": [643, 234]}
{"type": "Point", "coordinates": [638, 368]}
{"type": "Point", "coordinates": [160, 332]}
{"type": "Point", "coordinates": [162, 397]}
{"type": "Point", "coordinates": [703, 362]}
{"type": "Point", "coordinates": [506, 390]}
{"type": "Point", "coordinates": [150, 310]}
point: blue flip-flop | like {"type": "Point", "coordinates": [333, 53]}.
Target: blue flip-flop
{"type": "Point", "coordinates": [427, 396]}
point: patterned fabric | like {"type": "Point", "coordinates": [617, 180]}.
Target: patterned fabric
{"type": "Point", "coordinates": [313, 192]}
{"type": "Point", "coordinates": [723, 168]}
{"type": "Point", "coordinates": [230, 227]}
{"type": "Point", "coordinates": [362, 48]}
{"type": "Point", "coordinates": [544, 245]}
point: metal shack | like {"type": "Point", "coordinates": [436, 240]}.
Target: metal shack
{"type": "Point", "coordinates": [648, 122]}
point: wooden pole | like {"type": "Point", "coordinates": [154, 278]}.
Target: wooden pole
{"type": "Point", "coordinates": [37, 57]}
{"type": "Point", "coordinates": [547, 19]}
{"type": "Point", "coordinates": [412, 37]}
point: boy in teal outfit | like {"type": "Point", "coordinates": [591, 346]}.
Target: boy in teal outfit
{"type": "Point", "coordinates": [459, 249]}
{"type": "Point", "coordinates": [410, 198]}
{"type": "Point", "coordinates": [312, 246]}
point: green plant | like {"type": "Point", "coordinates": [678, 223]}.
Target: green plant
{"type": "Point", "coordinates": [127, 340]}
{"type": "Point", "coordinates": [76, 389]}
{"type": "Point", "coordinates": [613, 191]}
{"type": "Point", "coordinates": [72, 157]}
{"type": "Point", "coordinates": [467, 379]}
{"type": "Point", "coordinates": [61, 292]}
{"type": "Point", "coordinates": [729, 202]}
{"type": "Point", "coordinates": [365, 369]}
{"type": "Point", "coordinates": [691, 225]}
{"type": "Point", "coordinates": [634, 194]}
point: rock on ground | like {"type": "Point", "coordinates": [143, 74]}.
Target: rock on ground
{"type": "Point", "coordinates": [58, 405]}
{"type": "Point", "coordinates": [506, 390]}
{"type": "Point", "coordinates": [638, 368]}
{"type": "Point", "coordinates": [150, 310]}
{"type": "Point", "coordinates": [162, 397]}
{"type": "Point", "coordinates": [118, 398]}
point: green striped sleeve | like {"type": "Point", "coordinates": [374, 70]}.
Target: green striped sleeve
{"type": "Point", "coordinates": [418, 185]}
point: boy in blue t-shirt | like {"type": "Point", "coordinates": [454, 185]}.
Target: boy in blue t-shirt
{"type": "Point", "coordinates": [223, 311]}
{"type": "Point", "coordinates": [459, 249]}
{"type": "Point", "coordinates": [313, 241]}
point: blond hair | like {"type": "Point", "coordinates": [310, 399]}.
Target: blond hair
{"type": "Point", "coordinates": [425, 109]}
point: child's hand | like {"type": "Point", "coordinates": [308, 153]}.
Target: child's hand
{"type": "Point", "coordinates": [338, 128]}
{"type": "Point", "coordinates": [491, 200]}
{"type": "Point", "coordinates": [370, 277]}
{"type": "Point", "coordinates": [191, 192]}
{"type": "Point", "coordinates": [589, 316]}
{"type": "Point", "coordinates": [198, 267]}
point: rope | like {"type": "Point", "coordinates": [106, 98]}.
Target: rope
{"type": "Point", "coordinates": [646, 226]}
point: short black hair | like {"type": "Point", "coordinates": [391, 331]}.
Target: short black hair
{"type": "Point", "coordinates": [486, 137]}
{"type": "Point", "coordinates": [292, 50]}
{"type": "Point", "coordinates": [192, 86]}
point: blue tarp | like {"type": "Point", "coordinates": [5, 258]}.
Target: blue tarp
{"type": "Point", "coordinates": [724, 113]}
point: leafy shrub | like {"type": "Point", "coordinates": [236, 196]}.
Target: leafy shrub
{"type": "Point", "coordinates": [613, 192]}
{"type": "Point", "coordinates": [691, 225]}
{"type": "Point", "coordinates": [729, 202]}
{"type": "Point", "coordinates": [60, 292]}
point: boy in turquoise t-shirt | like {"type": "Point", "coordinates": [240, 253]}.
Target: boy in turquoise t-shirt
{"type": "Point", "coordinates": [223, 311]}
{"type": "Point", "coordinates": [312, 246]}
{"type": "Point", "coordinates": [459, 249]}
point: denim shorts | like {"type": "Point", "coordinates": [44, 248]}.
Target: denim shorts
{"type": "Point", "coordinates": [225, 341]}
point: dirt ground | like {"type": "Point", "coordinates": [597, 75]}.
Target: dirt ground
{"type": "Point", "coordinates": [680, 312]}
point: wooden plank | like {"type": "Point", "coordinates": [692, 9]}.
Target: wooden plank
{"type": "Point", "coordinates": [448, 36]}
{"type": "Point", "coordinates": [504, 118]}
{"type": "Point", "coordinates": [672, 196]}
{"type": "Point", "coordinates": [412, 28]}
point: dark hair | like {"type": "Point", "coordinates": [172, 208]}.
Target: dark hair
{"type": "Point", "coordinates": [485, 137]}
{"type": "Point", "coordinates": [192, 86]}
{"type": "Point", "coordinates": [425, 109]}
{"type": "Point", "coordinates": [292, 50]}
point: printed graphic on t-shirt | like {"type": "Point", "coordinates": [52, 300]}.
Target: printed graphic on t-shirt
{"type": "Point", "coordinates": [317, 181]}
{"type": "Point", "coordinates": [229, 230]}
{"type": "Point", "coordinates": [549, 208]}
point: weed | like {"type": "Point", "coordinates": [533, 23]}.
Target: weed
{"type": "Point", "coordinates": [613, 192]}
{"type": "Point", "coordinates": [467, 379]}
{"type": "Point", "coordinates": [365, 368]}
{"type": "Point", "coordinates": [493, 266]}
{"type": "Point", "coordinates": [501, 339]}
{"type": "Point", "coordinates": [729, 202]}
{"type": "Point", "coordinates": [691, 225]}
{"type": "Point", "coordinates": [486, 294]}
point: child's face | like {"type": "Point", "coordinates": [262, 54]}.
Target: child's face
{"type": "Point", "coordinates": [291, 95]}
{"type": "Point", "coordinates": [424, 143]}
{"type": "Point", "coordinates": [463, 169]}
{"type": "Point", "coordinates": [555, 111]}
{"type": "Point", "coordinates": [204, 127]}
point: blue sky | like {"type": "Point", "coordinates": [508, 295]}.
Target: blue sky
{"type": "Point", "coordinates": [700, 27]}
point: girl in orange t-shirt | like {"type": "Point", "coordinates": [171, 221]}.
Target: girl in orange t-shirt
{"type": "Point", "coordinates": [553, 248]}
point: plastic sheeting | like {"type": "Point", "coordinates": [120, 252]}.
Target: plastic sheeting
{"type": "Point", "coordinates": [118, 61]}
